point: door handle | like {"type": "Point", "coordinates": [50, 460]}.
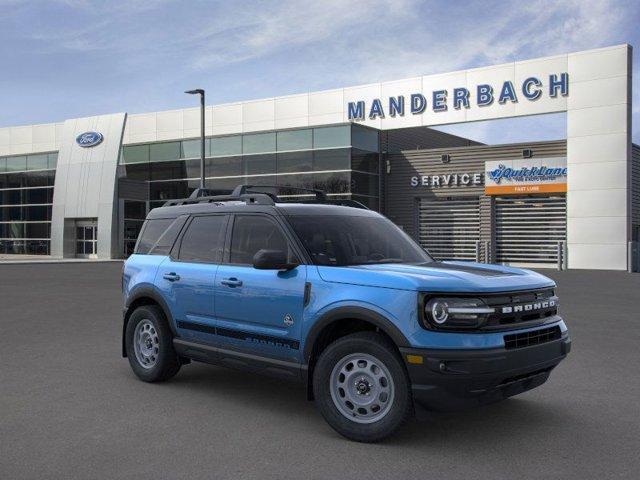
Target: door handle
{"type": "Point", "coordinates": [231, 282]}
{"type": "Point", "coordinates": [172, 277]}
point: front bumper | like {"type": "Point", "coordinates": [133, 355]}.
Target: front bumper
{"type": "Point", "coordinates": [448, 380]}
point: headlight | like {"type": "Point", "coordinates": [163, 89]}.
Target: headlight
{"type": "Point", "coordinates": [456, 312]}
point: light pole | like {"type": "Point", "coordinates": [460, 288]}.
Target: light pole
{"type": "Point", "coordinates": [200, 92]}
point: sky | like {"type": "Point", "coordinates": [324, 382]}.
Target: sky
{"type": "Point", "coordinates": [74, 58]}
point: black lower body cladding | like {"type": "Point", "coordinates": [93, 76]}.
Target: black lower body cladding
{"type": "Point", "coordinates": [449, 380]}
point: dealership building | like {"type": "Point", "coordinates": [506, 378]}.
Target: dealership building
{"type": "Point", "coordinates": [82, 187]}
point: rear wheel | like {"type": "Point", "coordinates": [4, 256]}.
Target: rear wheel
{"type": "Point", "coordinates": [361, 387]}
{"type": "Point", "coordinates": [149, 345]}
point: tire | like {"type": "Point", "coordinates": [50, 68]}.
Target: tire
{"type": "Point", "coordinates": [373, 379]}
{"type": "Point", "coordinates": [153, 359]}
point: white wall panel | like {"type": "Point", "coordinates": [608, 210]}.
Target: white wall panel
{"type": "Point", "coordinates": [367, 93]}
{"type": "Point", "coordinates": [5, 137]}
{"type": "Point", "coordinates": [494, 76]}
{"type": "Point", "coordinates": [596, 203]}
{"type": "Point", "coordinates": [394, 89]}
{"type": "Point", "coordinates": [598, 93]}
{"type": "Point", "coordinates": [608, 174]}
{"type": "Point", "coordinates": [326, 102]}
{"type": "Point", "coordinates": [44, 133]}
{"type": "Point", "coordinates": [325, 119]}
{"type": "Point", "coordinates": [143, 138]}
{"type": "Point", "coordinates": [598, 256]}
{"type": "Point", "coordinates": [170, 121]}
{"type": "Point", "coordinates": [606, 230]}
{"type": "Point", "coordinates": [597, 120]}
{"type": "Point", "coordinates": [21, 135]}
{"type": "Point", "coordinates": [142, 124]}
{"type": "Point", "coordinates": [599, 63]}
{"type": "Point", "coordinates": [227, 119]}
{"type": "Point", "coordinates": [292, 122]}
{"type": "Point", "coordinates": [59, 127]}
{"type": "Point", "coordinates": [447, 82]}
{"type": "Point", "coordinates": [597, 148]}
{"type": "Point", "coordinates": [258, 111]}
{"type": "Point", "coordinates": [540, 69]}
{"type": "Point", "coordinates": [295, 106]}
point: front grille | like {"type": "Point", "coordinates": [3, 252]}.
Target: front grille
{"type": "Point", "coordinates": [520, 307]}
{"type": "Point", "coordinates": [535, 337]}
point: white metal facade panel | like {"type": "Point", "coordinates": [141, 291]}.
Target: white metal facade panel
{"type": "Point", "coordinates": [30, 139]}
{"type": "Point", "coordinates": [599, 130]}
{"type": "Point", "coordinates": [85, 184]}
{"type": "Point", "coordinates": [449, 228]}
{"type": "Point", "coordinates": [528, 228]}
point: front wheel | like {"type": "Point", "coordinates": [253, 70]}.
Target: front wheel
{"type": "Point", "coordinates": [149, 345]}
{"type": "Point", "coordinates": [361, 387]}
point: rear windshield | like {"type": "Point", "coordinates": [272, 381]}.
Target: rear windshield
{"type": "Point", "coordinates": [158, 235]}
{"type": "Point", "coordinates": [341, 240]}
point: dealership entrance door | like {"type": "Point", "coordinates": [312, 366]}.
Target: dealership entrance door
{"type": "Point", "coordinates": [449, 227]}
{"type": "Point", "coordinates": [87, 238]}
{"type": "Point", "coordinates": [529, 229]}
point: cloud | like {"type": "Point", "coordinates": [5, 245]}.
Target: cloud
{"type": "Point", "coordinates": [259, 32]}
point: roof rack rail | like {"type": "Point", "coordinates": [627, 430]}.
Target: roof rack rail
{"type": "Point", "coordinates": [244, 193]}
{"type": "Point", "coordinates": [197, 197]}
{"type": "Point", "coordinates": [202, 192]}
{"type": "Point", "coordinates": [345, 202]}
{"type": "Point", "coordinates": [242, 189]}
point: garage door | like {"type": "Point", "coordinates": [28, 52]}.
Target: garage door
{"type": "Point", "coordinates": [449, 228]}
{"type": "Point", "coordinates": [528, 229]}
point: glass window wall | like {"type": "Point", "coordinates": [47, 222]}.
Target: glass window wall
{"type": "Point", "coordinates": [318, 157]}
{"type": "Point", "coordinates": [26, 197]}
{"type": "Point", "coordinates": [332, 137]}
{"type": "Point", "coordinates": [225, 146]}
{"type": "Point", "coordinates": [259, 143]}
{"type": "Point", "coordinates": [295, 140]}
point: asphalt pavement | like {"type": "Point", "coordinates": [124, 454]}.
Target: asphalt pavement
{"type": "Point", "coordinates": [70, 407]}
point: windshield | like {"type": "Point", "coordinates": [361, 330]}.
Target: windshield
{"type": "Point", "coordinates": [341, 240]}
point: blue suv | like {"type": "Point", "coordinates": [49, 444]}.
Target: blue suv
{"type": "Point", "coordinates": [339, 298]}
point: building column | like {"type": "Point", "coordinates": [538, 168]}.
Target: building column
{"type": "Point", "coordinates": [599, 158]}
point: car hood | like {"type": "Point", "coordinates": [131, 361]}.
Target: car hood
{"type": "Point", "coordinates": [438, 277]}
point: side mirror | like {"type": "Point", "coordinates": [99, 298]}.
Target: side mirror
{"type": "Point", "coordinates": [272, 260]}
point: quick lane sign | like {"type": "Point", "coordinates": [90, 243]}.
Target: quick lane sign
{"type": "Point", "coordinates": [543, 175]}
{"type": "Point", "coordinates": [482, 95]}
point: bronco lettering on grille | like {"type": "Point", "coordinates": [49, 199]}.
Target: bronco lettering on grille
{"type": "Point", "coordinates": [529, 307]}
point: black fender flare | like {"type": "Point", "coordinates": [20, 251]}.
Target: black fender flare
{"type": "Point", "coordinates": [353, 312]}
{"type": "Point", "coordinates": [145, 292]}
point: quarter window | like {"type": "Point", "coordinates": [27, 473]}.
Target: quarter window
{"type": "Point", "coordinates": [151, 232]}
{"type": "Point", "coordinates": [204, 239]}
{"type": "Point", "coordinates": [252, 233]}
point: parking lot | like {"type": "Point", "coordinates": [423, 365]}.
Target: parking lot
{"type": "Point", "coordinates": [71, 408]}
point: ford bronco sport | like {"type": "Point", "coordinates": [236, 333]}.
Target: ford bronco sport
{"type": "Point", "coordinates": [339, 298]}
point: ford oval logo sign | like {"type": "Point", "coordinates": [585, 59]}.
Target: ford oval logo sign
{"type": "Point", "coordinates": [89, 139]}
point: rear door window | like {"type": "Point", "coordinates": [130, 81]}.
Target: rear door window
{"type": "Point", "coordinates": [203, 241]}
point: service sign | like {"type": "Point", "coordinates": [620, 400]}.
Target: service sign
{"type": "Point", "coordinates": [522, 176]}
